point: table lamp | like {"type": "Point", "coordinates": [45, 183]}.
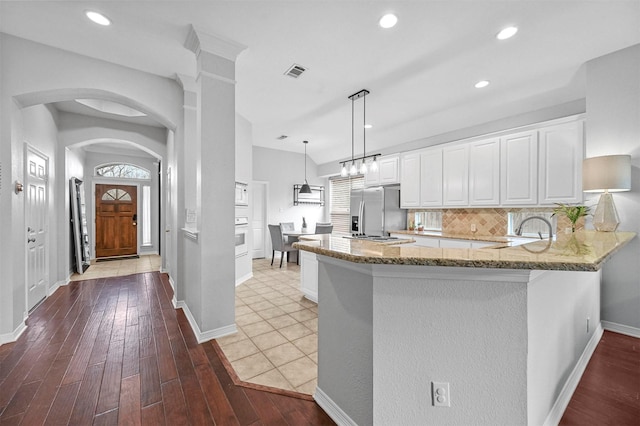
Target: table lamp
{"type": "Point", "coordinates": [610, 173]}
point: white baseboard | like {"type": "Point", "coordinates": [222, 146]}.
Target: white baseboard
{"type": "Point", "coordinates": [207, 335]}
{"type": "Point", "coordinates": [172, 284]}
{"type": "Point", "coordinates": [621, 328]}
{"type": "Point", "coordinates": [554, 416]}
{"type": "Point", "coordinates": [12, 337]}
{"type": "Point", "coordinates": [332, 409]}
{"type": "Point", "coordinates": [244, 278]}
{"type": "Point", "coordinates": [57, 285]}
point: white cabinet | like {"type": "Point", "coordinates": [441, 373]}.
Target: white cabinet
{"type": "Point", "coordinates": [410, 180]}
{"type": "Point", "coordinates": [388, 171]}
{"type": "Point", "coordinates": [484, 173]}
{"type": "Point", "coordinates": [455, 175]}
{"type": "Point", "coordinates": [431, 177]}
{"type": "Point", "coordinates": [309, 275]}
{"type": "Point", "coordinates": [447, 243]}
{"type": "Point", "coordinates": [560, 163]}
{"type": "Point", "coordinates": [519, 169]}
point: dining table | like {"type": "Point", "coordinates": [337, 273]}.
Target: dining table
{"type": "Point", "coordinates": [291, 237]}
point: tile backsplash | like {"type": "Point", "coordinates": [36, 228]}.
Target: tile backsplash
{"type": "Point", "coordinates": [487, 221]}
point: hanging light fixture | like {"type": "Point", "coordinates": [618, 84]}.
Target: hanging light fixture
{"type": "Point", "coordinates": [363, 169]}
{"type": "Point", "coordinates": [305, 188]}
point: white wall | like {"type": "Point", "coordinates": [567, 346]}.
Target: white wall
{"type": "Point", "coordinates": [283, 169]}
{"type": "Point", "coordinates": [613, 127]}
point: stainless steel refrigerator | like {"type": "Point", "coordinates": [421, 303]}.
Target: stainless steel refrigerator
{"type": "Point", "coordinates": [376, 211]}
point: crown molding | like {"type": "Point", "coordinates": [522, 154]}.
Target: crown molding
{"type": "Point", "coordinates": [198, 41]}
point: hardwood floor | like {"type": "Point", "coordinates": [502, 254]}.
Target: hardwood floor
{"type": "Point", "coordinates": [609, 391]}
{"type": "Point", "coordinates": [115, 351]}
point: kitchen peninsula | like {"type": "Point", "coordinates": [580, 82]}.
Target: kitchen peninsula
{"type": "Point", "coordinates": [508, 330]}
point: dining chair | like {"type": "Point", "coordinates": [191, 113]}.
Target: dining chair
{"type": "Point", "coordinates": [288, 226]}
{"type": "Point", "coordinates": [278, 244]}
{"type": "Point", "coordinates": [323, 228]}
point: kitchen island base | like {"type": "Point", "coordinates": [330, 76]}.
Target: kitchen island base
{"type": "Point", "coordinates": [506, 340]}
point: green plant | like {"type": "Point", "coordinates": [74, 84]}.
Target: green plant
{"type": "Point", "coordinates": [573, 213]}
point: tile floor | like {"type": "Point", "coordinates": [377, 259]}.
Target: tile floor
{"type": "Point", "coordinates": [116, 268]}
{"type": "Point", "coordinates": [277, 340]}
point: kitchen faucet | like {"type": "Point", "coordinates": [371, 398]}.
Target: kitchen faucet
{"type": "Point", "coordinates": [519, 228]}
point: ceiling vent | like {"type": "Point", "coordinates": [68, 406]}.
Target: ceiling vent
{"type": "Point", "coordinates": [282, 137]}
{"type": "Point", "coordinates": [295, 71]}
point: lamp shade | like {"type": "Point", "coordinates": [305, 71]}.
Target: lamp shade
{"type": "Point", "coordinates": [610, 173]}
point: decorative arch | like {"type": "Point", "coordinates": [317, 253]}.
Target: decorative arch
{"type": "Point", "coordinates": [59, 95]}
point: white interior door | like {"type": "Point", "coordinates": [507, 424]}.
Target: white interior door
{"type": "Point", "coordinates": [36, 206]}
{"type": "Point", "coordinates": [259, 219]}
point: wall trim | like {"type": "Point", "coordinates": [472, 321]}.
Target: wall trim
{"type": "Point", "coordinates": [332, 409]}
{"type": "Point", "coordinates": [57, 285]}
{"type": "Point", "coordinates": [244, 278]}
{"type": "Point", "coordinates": [12, 337]}
{"type": "Point", "coordinates": [207, 335]}
{"type": "Point", "coordinates": [621, 328]}
{"type": "Point", "coordinates": [562, 401]}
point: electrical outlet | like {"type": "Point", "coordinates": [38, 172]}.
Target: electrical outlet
{"type": "Point", "coordinates": [473, 227]}
{"type": "Point", "coordinates": [440, 393]}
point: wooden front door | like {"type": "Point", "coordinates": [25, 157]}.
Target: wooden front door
{"type": "Point", "coordinates": [116, 220]}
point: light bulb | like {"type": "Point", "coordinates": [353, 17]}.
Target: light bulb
{"type": "Point", "coordinates": [363, 167]}
{"type": "Point", "coordinates": [374, 165]}
{"type": "Point", "coordinates": [343, 172]}
{"type": "Point", "coordinates": [354, 170]}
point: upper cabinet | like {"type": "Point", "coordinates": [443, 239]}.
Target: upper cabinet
{"type": "Point", "coordinates": [455, 175]}
{"type": "Point", "coordinates": [410, 180]}
{"type": "Point", "coordinates": [484, 173]}
{"type": "Point", "coordinates": [537, 167]}
{"type": "Point", "coordinates": [388, 171]}
{"type": "Point", "coordinates": [519, 167]}
{"type": "Point", "coordinates": [431, 177]}
{"type": "Point", "coordinates": [561, 150]}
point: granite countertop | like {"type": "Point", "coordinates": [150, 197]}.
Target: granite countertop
{"type": "Point", "coordinates": [582, 251]}
{"type": "Point", "coordinates": [472, 237]}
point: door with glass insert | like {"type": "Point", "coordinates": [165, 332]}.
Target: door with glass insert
{"type": "Point", "coordinates": [116, 220]}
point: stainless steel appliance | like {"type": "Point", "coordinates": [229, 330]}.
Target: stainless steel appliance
{"type": "Point", "coordinates": [376, 211]}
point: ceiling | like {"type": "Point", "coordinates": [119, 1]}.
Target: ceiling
{"type": "Point", "coordinates": [421, 73]}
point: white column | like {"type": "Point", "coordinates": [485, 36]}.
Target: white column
{"type": "Point", "coordinates": [210, 292]}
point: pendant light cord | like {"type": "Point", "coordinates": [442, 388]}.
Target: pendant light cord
{"type": "Point", "coordinates": [305, 161]}
{"type": "Point", "coordinates": [364, 129]}
{"type": "Point", "coordinates": [352, 127]}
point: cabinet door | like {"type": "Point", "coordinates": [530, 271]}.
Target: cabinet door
{"type": "Point", "coordinates": [427, 242]}
{"type": "Point", "coordinates": [410, 180]}
{"type": "Point", "coordinates": [431, 178]}
{"type": "Point", "coordinates": [560, 165]}
{"type": "Point", "coordinates": [455, 175]}
{"type": "Point", "coordinates": [372, 178]}
{"type": "Point", "coordinates": [309, 275]}
{"type": "Point", "coordinates": [518, 163]}
{"type": "Point", "coordinates": [484, 173]}
{"type": "Point", "coordinates": [388, 169]}
{"type": "Point", "coordinates": [446, 243]}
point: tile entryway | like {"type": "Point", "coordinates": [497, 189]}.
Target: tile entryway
{"type": "Point", "coordinates": [118, 268]}
{"type": "Point", "coordinates": [277, 340]}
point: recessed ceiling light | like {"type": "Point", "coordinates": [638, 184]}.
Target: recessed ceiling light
{"type": "Point", "coordinates": [482, 83]}
{"type": "Point", "coordinates": [507, 33]}
{"type": "Point", "coordinates": [388, 21]}
{"type": "Point", "coordinates": [98, 18]}
{"type": "Point", "coordinates": [368, 126]}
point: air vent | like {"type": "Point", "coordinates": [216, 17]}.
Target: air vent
{"type": "Point", "coordinates": [295, 71]}
{"type": "Point", "coordinates": [282, 137]}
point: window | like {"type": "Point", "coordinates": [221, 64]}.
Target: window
{"type": "Point", "coordinates": [121, 170]}
{"type": "Point", "coordinates": [429, 220]}
{"type": "Point", "coordinates": [532, 228]}
{"type": "Point", "coordinates": [340, 189]}
{"type": "Point", "coordinates": [116, 195]}
{"type": "Point", "coordinates": [146, 215]}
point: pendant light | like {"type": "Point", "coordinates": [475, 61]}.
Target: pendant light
{"type": "Point", "coordinates": [364, 168]}
{"type": "Point", "coordinates": [305, 188]}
